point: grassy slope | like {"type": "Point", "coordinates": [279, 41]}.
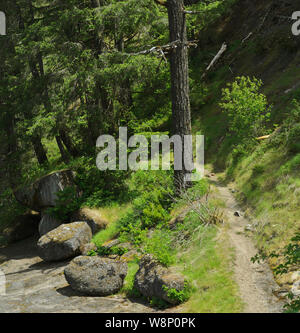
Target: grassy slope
{"type": "Point", "coordinates": [205, 259]}
{"type": "Point", "coordinates": [273, 55]}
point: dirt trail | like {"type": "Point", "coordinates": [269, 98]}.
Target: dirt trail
{"type": "Point", "coordinates": [34, 286]}
{"type": "Point", "coordinates": [256, 281]}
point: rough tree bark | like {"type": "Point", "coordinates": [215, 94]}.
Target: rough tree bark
{"type": "Point", "coordinates": [181, 111]}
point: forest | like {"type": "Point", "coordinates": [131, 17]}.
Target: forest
{"type": "Point", "coordinates": [74, 71]}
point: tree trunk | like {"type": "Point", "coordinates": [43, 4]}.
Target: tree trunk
{"type": "Point", "coordinates": [39, 149]}
{"type": "Point", "coordinates": [63, 153]}
{"type": "Point", "coordinates": [68, 143]}
{"type": "Point", "coordinates": [181, 112]}
{"type": "Point", "coordinates": [13, 165]}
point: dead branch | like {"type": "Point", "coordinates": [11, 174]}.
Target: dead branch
{"type": "Point", "coordinates": [192, 11]}
{"type": "Point", "coordinates": [263, 137]}
{"type": "Point", "coordinates": [216, 58]}
{"type": "Point", "coordinates": [247, 37]}
{"type": "Point", "coordinates": [161, 51]}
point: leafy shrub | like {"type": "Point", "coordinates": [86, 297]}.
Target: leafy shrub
{"type": "Point", "coordinates": [291, 165]}
{"type": "Point", "coordinates": [293, 139]}
{"type": "Point", "coordinates": [258, 170]}
{"type": "Point", "coordinates": [150, 207]}
{"type": "Point", "coordinates": [9, 208]}
{"type": "Point", "coordinates": [161, 246]}
{"type": "Point", "coordinates": [245, 107]}
{"type": "Point", "coordinates": [179, 296]}
{"type": "Point", "coordinates": [99, 187]}
{"type": "Point", "coordinates": [66, 203]}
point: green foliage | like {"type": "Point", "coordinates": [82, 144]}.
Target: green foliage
{"type": "Point", "coordinates": [99, 187]}
{"type": "Point", "coordinates": [181, 296]}
{"type": "Point", "coordinates": [104, 251]}
{"type": "Point", "coordinates": [151, 206]}
{"type": "Point", "coordinates": [291, 259]}
{"type": "Point", "coordinates": [246, 108]}
{"type": "Point", "coordinates": [66, 203]}
{"type": "Point", "coordinates": [128, 286]}
{"type": "Point", "coordinates": [9, 208]}
{"type": "Point", "coordinates": [294, 304]}
{"type": "Point", "coordinates": [291, 166]}
{"type": "Point", "coordinates": [158, 303]}
{"type": "Point", "coordinates": [293, 140]}
{"type": "Point", "coordinates": [258, 169]}
{"type": "Point", "coordinates": [292, 124]}
{"type": "Point", "coordinates": [161, 245]}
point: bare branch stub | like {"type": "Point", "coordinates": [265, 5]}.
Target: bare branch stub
{"type": "Point", "coordinates": [164, 50]}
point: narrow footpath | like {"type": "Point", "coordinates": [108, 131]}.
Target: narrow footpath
{"type": "Point", "coordinates": [256, 282]}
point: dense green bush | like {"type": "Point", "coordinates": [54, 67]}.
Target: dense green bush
{"type": "Point", "coordinates": [96, 188]}
{"type": "Point", "coordinates": [99, 187]}
{"type": "Point", "coordinates": [67, 202]}
{"type": "Point", "coordinates": [161, 245]}
{"type": "Point", "coordinates": [293, 140]}
{"type": "Point", "coordinates": [9, 208]}
{"type": "Point", "coordinates": [153, 191]}
{"type": "Point", "coordinates": [179, 296]}
{"type": "Point", "coordinates": [246, 108]}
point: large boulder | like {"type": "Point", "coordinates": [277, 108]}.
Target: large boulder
{"type": "Point", "coordinates": [92, 217]}
{"type": "Point", "coordinates": [152, 278]}
{"type": "Point", "coordinates": [95, 276]}
{"type": "Point", "coordinates": [64, 242]}
{"type": "Point", "coordinates": [47, 224]}
{"type": "Point", "coordinates": [22, 227]}
{"type": "Point", "coordinates": [43, 193]}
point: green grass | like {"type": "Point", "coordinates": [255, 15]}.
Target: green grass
{"type": "Point", "coordinates": [128, 286]}
{"type": "Point", "coordinates": [207, 263]}
{"type": "Point", "coordinates": [271, 195]}
{"type": "Point", "coordinates": [112, 214]}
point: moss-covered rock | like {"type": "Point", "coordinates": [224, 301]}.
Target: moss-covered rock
{"type": "Point", "coordinates": [95, 276]}
{"type": "Point", "coordinates": [64, 242]}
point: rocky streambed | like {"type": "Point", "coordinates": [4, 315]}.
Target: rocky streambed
{"type": "Point", "coordinates": [35, 286]}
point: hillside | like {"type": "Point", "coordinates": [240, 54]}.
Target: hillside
{"type": "Point", "coordinates": [73, 75]}
{"type": "Point", "coordinates": [260, 44]}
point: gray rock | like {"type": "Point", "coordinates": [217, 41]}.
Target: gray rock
{"type": "Point", "coordinates": [111, 243]}
{"type": "Point", "coordinates": [151, 277]}
{"type": "Point", "coordinates": [126, 246]}
{"type": "Point", "coordinates": [130, 256]}
{"type": "Point", "coordinates": [47, 224]}
{"type": "Point", "coordinates": [43, 193]}
{"type": "Point", "coordinates": [249, 227]}
{"type": "Point", "coordinates": [95, 276]}
{"type": "Point", "coordinates": [64, 242]}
